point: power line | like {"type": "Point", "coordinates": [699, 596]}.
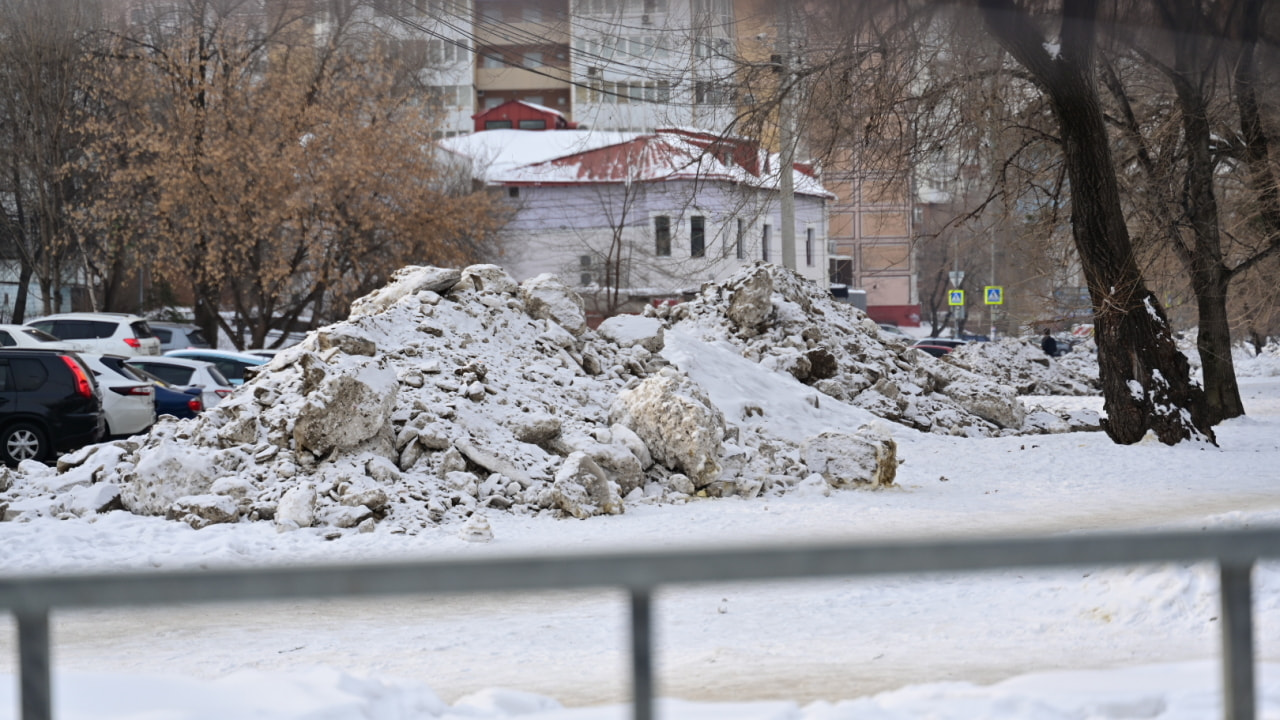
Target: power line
{"type": "Point", "coordinates": [467, 40]}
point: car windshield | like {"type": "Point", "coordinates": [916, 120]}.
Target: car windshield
{"type": "Point", "coordinates": [143, 374]}
{"type": "Point", "coordinates": [172, 374]}
{"type": "Point", "coordinates": [118, 365]}
{"type": "Point", "coordinates": [39, 335]}
{"type": "Point", "coordinates": [217, 376]}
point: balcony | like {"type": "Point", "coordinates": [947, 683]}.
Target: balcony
{"type": "Point", "coordinates": [547, 77]}
{"type": "Point", "coordinates": [502, 35]}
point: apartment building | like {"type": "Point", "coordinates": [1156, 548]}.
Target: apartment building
{"type": "Point", "coordinates": [643, 65]}
{"type": "Point", "coordinates": [627, 65]}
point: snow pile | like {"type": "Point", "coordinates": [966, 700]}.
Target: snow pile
{"type": "Point", "coordinates": [455, 392]}
{"type": "Point", "coordinates": [786, 324]}
{"type": "Point", "coordinates": [1262, 363]}
{"type": "Point", "coordinates": [1022, 365]}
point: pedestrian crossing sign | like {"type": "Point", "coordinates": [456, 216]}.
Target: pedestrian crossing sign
{"type": "Point", "coordinates": [995, 294]}
{"type": "Point", "coordinates": [955, 297]}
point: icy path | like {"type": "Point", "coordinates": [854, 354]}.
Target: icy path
{"type": "Point", "coordinates": [834, 639]}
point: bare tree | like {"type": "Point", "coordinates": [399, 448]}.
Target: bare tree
{"type": "Point", "coordinates": [42, 66]}
{"type": "Point", "coordinates": [276, 179]}
{"type": "Point", "coordinates": [1146, 380]}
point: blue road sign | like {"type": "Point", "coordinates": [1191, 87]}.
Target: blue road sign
{"type": "Point", "coordinates": [955, 297]}
{"type": "Point", "coordinates": [995, 294]}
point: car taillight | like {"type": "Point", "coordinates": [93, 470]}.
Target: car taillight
{"type": "Point", "coordinates": [132, 390]}
{"type": "Point", "coordinates": [84, 388]}
{"type": "Point", "coordinates": [195, 405]}
{"type": "Point", "coordinates": [134, 343]}
{"type": "Point", "coordinates": [223, 392]}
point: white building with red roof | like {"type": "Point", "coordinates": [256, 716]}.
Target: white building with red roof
{"type": "Point", "coordinates": [630, 217]}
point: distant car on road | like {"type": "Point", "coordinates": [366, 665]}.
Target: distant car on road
{"type": "Point", "coordinates": [1063, 345]}
{"type": "Point", "coordinates": [101, 333]}
{"type": "Point", "coordinates": [51, 404]}
{"type": "Point", "coordinates": [235, 366]}
{"type": "Point", "coordinates": [891, 329]}
{"type": "Point", "coordinates": [938, 347]}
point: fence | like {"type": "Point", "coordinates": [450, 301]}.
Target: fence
{"type": "Point", "coordinates": [31, 599]}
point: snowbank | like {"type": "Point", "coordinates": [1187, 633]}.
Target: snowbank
{"type": "Point", "coordinates": [452, 393]}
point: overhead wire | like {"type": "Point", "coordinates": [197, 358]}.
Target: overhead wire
{"type": "Point", "coordinates": [469, 41]}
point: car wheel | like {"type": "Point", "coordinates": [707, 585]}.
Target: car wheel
{"type": "Point", "coordinates": [23, 441]}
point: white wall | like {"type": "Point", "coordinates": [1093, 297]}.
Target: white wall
{"type": "Point", "coordinates": [556, 226]}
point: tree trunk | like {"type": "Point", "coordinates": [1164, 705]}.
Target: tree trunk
{"type": "Point", "coordinates": [1222, 391]}
{"type": "Point", "coordinates": [1146, 381]}
{"type": "Point", "coordinates": [205, 312]}
{"type": "Point", "coordinates": [1209, 274]}
{"type": "Point", "coordinates": [20, 294]}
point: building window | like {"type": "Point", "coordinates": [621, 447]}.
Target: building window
{"type": "Point", "coordinates": [533, 124]}
{"type": "Point", "coordinates": [740, 252]}
{"type": "Point", "coordinates": [764, 242]}
{"type": "Point", "coordinates": [513, 192]}
{"type": "Point", "coordinates": [497, 124]}
{"type": "Point", "coordinates": [808, 247]}
{"type": "Point", "coordinates": [697, 236]}
{"type": "Point", "coordinates": [532, 59]}
{"type": "Point", "coordinates": [662, 236]}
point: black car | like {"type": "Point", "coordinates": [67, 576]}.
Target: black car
{"type": "Point", "coordinates": [49, 403]}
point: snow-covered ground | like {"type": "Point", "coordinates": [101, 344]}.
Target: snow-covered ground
{"type": "Point", "coordinates": [1105, 643]}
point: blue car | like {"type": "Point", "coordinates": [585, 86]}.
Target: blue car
{"type": "Point", "coordinates": [180, 402]}
{"type": "Point", "coordinates": [234, 366]}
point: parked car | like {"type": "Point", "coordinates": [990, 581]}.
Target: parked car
{"type": "Point", "coordinates": [178, 336]}
{"type": "Point", "coordinates": [49, 403]}
{"type": "Point", "coordinates": [29, 337]}
{"type": "Point", "coordinates": [235, 366]}
{"type": "Point", "coordinates": [894, 330]}
{"type": "Point", "coordinates": [101, 333]}
{"type": "Point", "coordinates": [128, 399]}
{"type": "Point", "coordinates": [1066, 344]}
{"type": "Point", "coordinates": [180, 402]}
{"type": "Point", "coordinates": [934, 350]}
{"type": "Point", "coordinates": [186, 372]}
{"type": "Point", "coordinates": [938, 347]}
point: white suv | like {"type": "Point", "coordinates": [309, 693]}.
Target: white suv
{"type": "Point", "coordinates": [101, 333]}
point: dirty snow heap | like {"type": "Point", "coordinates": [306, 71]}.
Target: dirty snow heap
{"type": "Point", "coordinates": [449, 392]}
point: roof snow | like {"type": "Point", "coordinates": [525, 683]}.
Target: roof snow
{"type": "Point", "coordinates": [571, 157]}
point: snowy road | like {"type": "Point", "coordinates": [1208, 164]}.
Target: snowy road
{"type": "Point", "coordinates": [801, 641]}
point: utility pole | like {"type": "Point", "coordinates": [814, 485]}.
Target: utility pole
{"type": "Point", "coordinates": [786, 138]}
{"type": "Point", "coordinates": [991, 309]}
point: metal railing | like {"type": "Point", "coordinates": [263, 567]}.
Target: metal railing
{"type": "Point", "coordinates": [31, 599]}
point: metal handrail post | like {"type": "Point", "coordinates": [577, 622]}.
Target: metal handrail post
{"type": "Point", "coordinates": [1238, 692]}
{"type": "Point", "coordinates": [641, 654]}
{"type": "Point", "coordinates": [33, 665]}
